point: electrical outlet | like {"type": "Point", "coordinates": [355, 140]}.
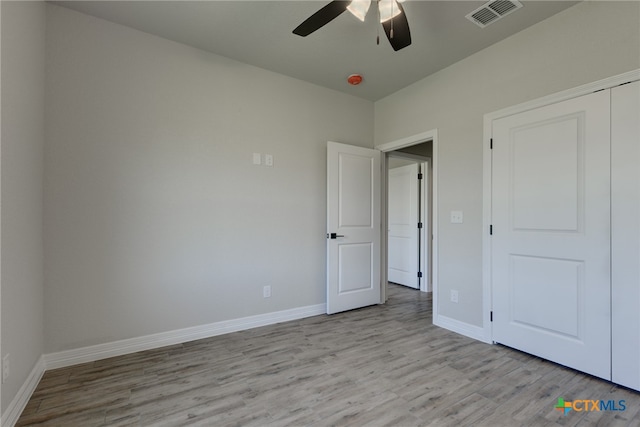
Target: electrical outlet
{"type": "Point", "coordinates": [268, 160]}
{"type": "Point", "coordinates": [456, 217]}
{"type": "Point", "coordinates": [454, 296]}
{"type": "Point", "coordinates": [266, 292]}
{"type": "Point", "coordinates": [5, 368]}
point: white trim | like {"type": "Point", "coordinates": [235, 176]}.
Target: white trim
{"type": "Point", "coordinates": [19, 402]}
{"type": "Point", "coordinates": [434, 221]}
{"type": "Point", "coordinates": [1, 353]}
{"type": "Point", "coordinates": [408, 141]}
{"type": "Point", "coordinates": [462, 328]}
{"type": "Point", "coordinates": [384, 268]}
{"type": "Point", "coordinates": [565, 94]}
{"type": "Point", "coordinates": [148, 342]}
{"type": "Point", "coordinates": [118, 348]}
{"type": "Point", "coordinates": [425, 232]}
{"type": "Point", "coordinates": [486, 176]}
{"type": "Point", "coordinates": [486, 222]}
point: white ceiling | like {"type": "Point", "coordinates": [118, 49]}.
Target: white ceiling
{"type": "Point", "coordinates": [259, 33]}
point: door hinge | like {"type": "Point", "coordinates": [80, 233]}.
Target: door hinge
{"type": "Point", "coordinates": [419, 273]}
{"type": "Point", "coordinates": [491, 316]}
{"type": "Point", "coordinates": [491, 144]}
{"type": "Point", "coordinates": [420, 176]}
{"type": "Point", "coordinates": [491, 230]}
{"type": "Point", "coordinates": [419, 225]}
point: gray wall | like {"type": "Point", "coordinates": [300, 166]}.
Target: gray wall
{"type": "Point", "coordinates": [585, 43]}
{"type": "Point", "coordinates": [23, 26]}
{"type": "Point", "coordinates": [155, 217]}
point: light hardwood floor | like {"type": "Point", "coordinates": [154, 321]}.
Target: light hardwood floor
{"type": "Point", "coordinates": [378, 366]}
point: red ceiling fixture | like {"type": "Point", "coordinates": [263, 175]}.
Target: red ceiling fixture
{"type": "Point", "coordinates": [354, 79]}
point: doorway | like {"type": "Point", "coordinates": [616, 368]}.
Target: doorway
{"type": "Point", "coordinates": [408, 147]}
{"type": "Point", "coordinates": [408, 214]}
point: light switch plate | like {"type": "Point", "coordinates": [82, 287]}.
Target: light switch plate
{"type": "Point", "coordinates": [456, 217]}
{"type": "Point", "coordinates": [454, 296]}
{"type": "Point", "coordinates": [268, 160]}
{"type": "Point", "coordinates": [257, 159]}
{"type": "Point", "coordinates": [5, 368]}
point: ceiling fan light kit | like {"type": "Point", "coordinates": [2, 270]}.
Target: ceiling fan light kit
{"type": "Point", "coordinates": [359, 8]}
{"type": "Point", "coordinates": [391, 14]}
{"type": "Point", "coordinates": [388, 9]}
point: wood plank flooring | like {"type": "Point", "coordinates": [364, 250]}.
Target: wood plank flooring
{"type": "Point", "coordinates": [378, 366]}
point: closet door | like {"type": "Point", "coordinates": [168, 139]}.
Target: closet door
{"type": "Point", "coordinates": [625, 239]}
{"type": "Point", "coordinates": [551, 278]}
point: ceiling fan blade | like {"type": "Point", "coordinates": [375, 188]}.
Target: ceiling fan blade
{"type": "Point", "coordinates": [321, 17]}
{"type": "Point", "coordinates": [401, 37]}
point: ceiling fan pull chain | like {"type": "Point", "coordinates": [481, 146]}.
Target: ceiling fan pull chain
{"type": "Point", "coordinates": [378, 26]}
{"type": "Point", "coordinates": [391, 32]}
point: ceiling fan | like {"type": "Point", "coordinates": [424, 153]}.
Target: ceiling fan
{"type": "Point", "coordinates": [390, 12]}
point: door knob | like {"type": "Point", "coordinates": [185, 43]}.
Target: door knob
{"type": "Point", "coordinates": [333, 235]}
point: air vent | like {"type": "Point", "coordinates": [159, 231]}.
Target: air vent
{"type": "Point", "coordinates": [492, 11]}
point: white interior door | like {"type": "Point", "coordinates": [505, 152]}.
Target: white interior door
{"type": "Point", "coordinates": [625, 238]}
{"type": "Point", "coordinates": [353, 227]}
{"type": "Point", "coordinates": [403, 218]}
{"type": "Point", "coordinates": [551, 233]}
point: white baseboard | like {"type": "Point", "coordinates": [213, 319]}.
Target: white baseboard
{"type": "Point", "coordinates": [17, 405]}
{"type": "Point", "coordinates": [148, 342]}
{"type": "Point", "coordinates": [118, 348]}
{"type": "Point", "coordinates": [462, 328]}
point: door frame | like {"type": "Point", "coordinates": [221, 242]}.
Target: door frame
{"type": "Point", "coordinates": [1, 353]}
{"type": "Point", "coordinates": [428, 136]}
{"type": "Point", "coordinates": [487, 166]}
{"type": "Point", "coordinates": [426, 213]}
